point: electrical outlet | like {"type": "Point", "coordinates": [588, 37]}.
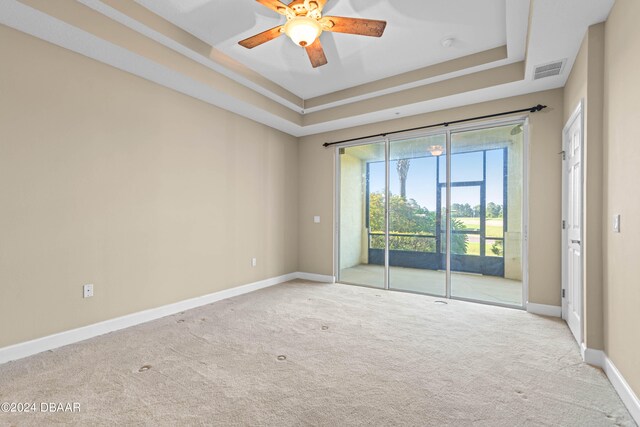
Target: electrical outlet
{"type": "Point", "coordinates": [316, 219]}
{"type": "Point", "coordinates": [87, 291]}
{"type": "Point", "coordinates": [254, 262]}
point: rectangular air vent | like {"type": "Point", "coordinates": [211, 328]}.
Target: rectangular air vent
{"type": "Point", "coordinates": [549, 70]}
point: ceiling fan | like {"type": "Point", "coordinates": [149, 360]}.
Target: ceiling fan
{"type": "Point", "coordinates": [305, 23]}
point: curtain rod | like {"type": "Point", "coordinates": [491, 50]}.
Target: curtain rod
{"type": "Point", "coordinates": [535, 109]}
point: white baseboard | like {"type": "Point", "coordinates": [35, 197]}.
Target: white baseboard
{"type": "Point", "coordinates": [544, 310]}
{"type": "Point", "coordinates": [628, 397]}
{"type": "Point", "coordinates": [50, 342]}
{"type": "Point", "coordinates": [600, 359]}
{"type": "Point", "coordinates": [593, 357]}
{"type": "Point", "coordinates": [316, 277]}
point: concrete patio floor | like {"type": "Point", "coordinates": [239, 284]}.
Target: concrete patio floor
{"type": "Point", "coordinates": [463, 285]}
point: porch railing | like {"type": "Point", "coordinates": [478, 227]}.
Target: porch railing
{"type": "Point", "coordinates": [428, 256]}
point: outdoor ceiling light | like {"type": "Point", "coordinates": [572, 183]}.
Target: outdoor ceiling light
{"type": "Point", "coordinates": [302, 30]}
{"type": "Point", "coordinates": [436, 150]}
{"type": "Point", "coordinates": [517, 130]}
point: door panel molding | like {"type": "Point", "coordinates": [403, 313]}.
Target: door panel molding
{"type": "Point", "coordinates": [572, 222]}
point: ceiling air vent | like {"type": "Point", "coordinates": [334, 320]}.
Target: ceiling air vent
{"type": "Point", "coordinates": [549, 70]}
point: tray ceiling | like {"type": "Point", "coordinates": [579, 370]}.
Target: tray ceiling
{"type": "Point", "coordinates": [412, 40]}
{"type": "Point", "coordinates": [191, 46]}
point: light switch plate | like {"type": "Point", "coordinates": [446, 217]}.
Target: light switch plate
{"type": "Point", "coordinates": [616, 223]}
{"type": "Point", "coordinates": [316, 219]}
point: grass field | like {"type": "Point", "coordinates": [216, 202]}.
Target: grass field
{"type": "Point", "coordinates": [494, 229]}
{"type": "Point", "coordinates": [494, 225]}
{"type": "Point", "coordinates": [473, 248]}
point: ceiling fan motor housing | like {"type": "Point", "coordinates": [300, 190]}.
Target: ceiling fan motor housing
{"type": "Point", "coordinates": [305, 23]}
{"type": "Point", "coordinates": [307, 8]}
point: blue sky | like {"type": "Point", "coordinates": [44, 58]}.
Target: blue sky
{"type": "Point", "coordinates": [421, 180]}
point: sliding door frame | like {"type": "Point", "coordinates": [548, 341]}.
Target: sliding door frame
{"type": "Point", "coordinates": [336, 211]}
{"type": "Point", "coordinates": [522, 120]}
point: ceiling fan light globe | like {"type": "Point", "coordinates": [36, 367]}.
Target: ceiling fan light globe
{"type": "Point", "coordinates": [302, 30]}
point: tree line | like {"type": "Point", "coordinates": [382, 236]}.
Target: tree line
{"type": "Point", "coordinates": [465, 210]}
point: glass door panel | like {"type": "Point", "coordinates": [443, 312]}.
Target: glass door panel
{"type": "Point", "coordinates": [417, 243]}
{"type": "Point", "coordinates": [486, 214]}
{"type": "Point", "coordinates": [362, 222]}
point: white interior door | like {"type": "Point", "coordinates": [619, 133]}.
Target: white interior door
{"type": "Point", "coordinates": [572, 230]}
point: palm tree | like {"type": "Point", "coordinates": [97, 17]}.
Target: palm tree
{"type": "Point", "coordinates": [403, 171]}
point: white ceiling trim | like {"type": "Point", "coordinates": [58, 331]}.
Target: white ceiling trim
{"type": "Point", "coordinates": [459, 100]}
{"type": "Point", "coordinates": [412, 39]}
{"type": "Point", "coordinates": [517, 28]}
{"type": "Point", "coordinates": [412, 85]}
{"type": "Point", "coordinates": [38, 24]}
{"type": "Point", "coordinates": [123, 19]}
{"type": "Point", "coordinates": [517, 16]}
{"type": "Point", "coordinates": [553, 36]}
{"type": "Point", "coordinates": [516, 39]}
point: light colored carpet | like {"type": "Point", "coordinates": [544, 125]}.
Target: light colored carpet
{"type": "Point", "coordinates": [354, 356]}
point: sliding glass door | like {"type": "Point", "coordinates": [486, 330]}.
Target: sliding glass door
{"type": "Point", "coordinates": [486, 214]}
{"type": "Point", "coordinates": [438, 214]}
{"type": "Point", "coordinates": [417, 260]}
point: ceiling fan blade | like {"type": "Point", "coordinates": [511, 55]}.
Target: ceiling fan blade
{"type": "Point", "coordinates": [261, 38]}
{"type": "Point", "coordinates": [275, 5]}
{"type": "Point", "coordinates": [316, 54]}
{"type": "Point", "coordinates": [361, 27]}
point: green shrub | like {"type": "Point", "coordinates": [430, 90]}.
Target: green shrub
{"type": "Point", "coordinates": [407, 218]}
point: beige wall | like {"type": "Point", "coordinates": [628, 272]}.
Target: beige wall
{"type": "Point", "coordinates": [605, 77]}
{"type": "Point", "coordinates": [575, 90]}
{"type": "Point", "coordinates": [621, 178]}
{"type": "Point", "coordinates": [585, 84]}
{"type": "Point", "coordinates": [316, 168]}
{"type": "Point", "coordinates": [150, 195]}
